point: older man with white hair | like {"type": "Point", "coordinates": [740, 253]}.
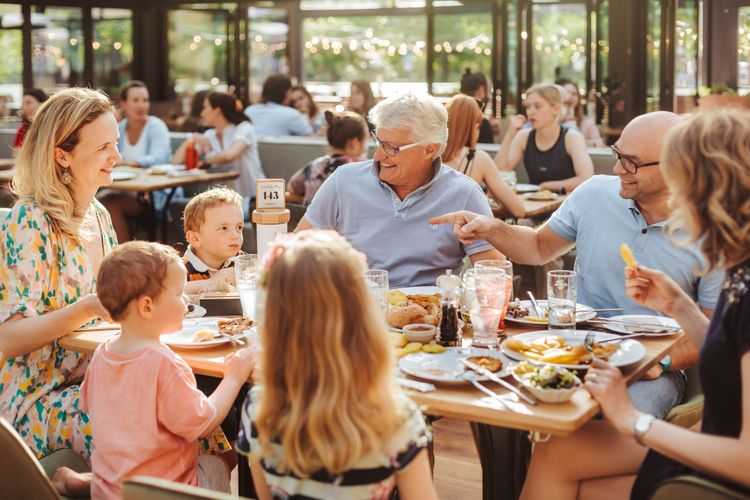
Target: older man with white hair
{"type": "Point", "coordinates": [382, 205]}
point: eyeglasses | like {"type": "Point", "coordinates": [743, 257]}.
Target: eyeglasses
{"type": "Point", "coordinates": [389, 148]}
{"type": "Point", "coordinates": [482, 104]}
{"type": "Point", "coordinates": [628, 164]}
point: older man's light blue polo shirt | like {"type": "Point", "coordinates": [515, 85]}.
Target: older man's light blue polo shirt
{"type": "Point", "coordinates": [274, 119]}
{"type": "Point", "coordinates": [394, 233]}
{"type": "Point", "coordinates": [599, 220]}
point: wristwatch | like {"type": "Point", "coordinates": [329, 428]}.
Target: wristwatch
{"type": "Point", "coordinates": [666, 363]}
{"type": "Point", "coordinates": [641, 427]}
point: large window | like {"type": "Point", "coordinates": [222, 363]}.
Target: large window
{"type": "Point", "coordinates": [113, 48]}
{"type": "Point", "coordinates": [558, 37]}
{"type": "Point", "coordinates": [197, 49]}
{"type": "Point", "coordinates": [743, 50]}
{"type": "Point", "coordinates": [11, 70]}
{"type": "Point", "coordinates": [461, 41]}
{"type": "Point", "coordinates": [686, 54]}
{"type": "Point", "coordinates": [358, 4]}
{"type": "Point", "coordinates": [511, 69]}
{"type": "Point", "coordinates": [653, 56]}
{"type": "Point", "coordinates": [269, 51]}
{"type": "Point", "coordinates": [57, 47]}
{"type": "Point", "coordinates": [388, 50]}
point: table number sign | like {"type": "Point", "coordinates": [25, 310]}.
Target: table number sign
{"type": "Point", "coordinates": [270, 193]}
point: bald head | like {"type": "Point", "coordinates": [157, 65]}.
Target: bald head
{"type": "Point", "coordinates": [644, 135]}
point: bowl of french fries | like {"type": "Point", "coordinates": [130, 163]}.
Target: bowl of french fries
{"type": "Point", "coordinates": [549, 384]}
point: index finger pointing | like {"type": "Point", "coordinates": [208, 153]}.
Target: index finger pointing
{"type": "Point", "coordinates": [452, 218]}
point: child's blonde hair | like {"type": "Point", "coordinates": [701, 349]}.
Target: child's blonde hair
{"type": "Point", "coordinates": [132, 270]}
{"type": "Point", "coordinates": [328, 391]}
{"type": "Point", "coordinates": [195, 211]}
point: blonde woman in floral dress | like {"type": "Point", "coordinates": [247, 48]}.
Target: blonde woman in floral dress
{"type": "Point", "coordinates": [52, 243]}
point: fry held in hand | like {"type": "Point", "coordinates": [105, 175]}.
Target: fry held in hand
{"type": "Point", "coordinates": [627, 256]}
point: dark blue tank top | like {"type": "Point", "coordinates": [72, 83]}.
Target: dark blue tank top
{"type": "Point", "coordinates": [551, 165]}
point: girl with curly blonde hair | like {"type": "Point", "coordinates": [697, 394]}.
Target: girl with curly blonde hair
{"type": "Point", "coordinates": [327, 420]}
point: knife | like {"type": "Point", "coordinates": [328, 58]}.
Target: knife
{"type": "Point", "coordinates": [483, 371]}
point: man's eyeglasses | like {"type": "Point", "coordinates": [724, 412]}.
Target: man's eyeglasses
{"type": "Point", "coordinates": [628, 164]}
{"type": "Point", "coordinates": [389, 148]}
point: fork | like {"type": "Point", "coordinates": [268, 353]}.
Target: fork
{"type": "Point", "coordinates": [534, 303]}
{"type": "Point", "coordinates": [232, 339]}
{"type": "Point", "coordinates": [588, 343]}
{"type": "Point", "coordinates": [471, 377]}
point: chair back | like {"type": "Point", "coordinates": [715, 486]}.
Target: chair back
{"type": "Point", "coordinates": [690, 411]}
{"type": "Point", "coordinates": [694, 488]}
{"type": "Point", "coordinates": [140, 487]}
{"type": "Point", "coordinates": [21, 476]}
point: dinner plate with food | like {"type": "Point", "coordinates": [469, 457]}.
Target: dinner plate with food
{"type": "Point", "coordinates": [522, 311]}
{"type": "Point", "coordinates": [413, 305]}
{"type": "Point", "coordinates": [649, 326]}
{"type": "Point", "coordinates": [208, 332]}
{"type": "Point", "coordinates": [447, 367]}
{"type": "Point", "coordinates": [567, 350]}
{"type": "Point", "coordinates": [542, 195]}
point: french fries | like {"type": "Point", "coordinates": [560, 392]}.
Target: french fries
{"type": "Point", "coordinates": [627, 255]}
{"type": "Point", "coordinates": [553, 349]}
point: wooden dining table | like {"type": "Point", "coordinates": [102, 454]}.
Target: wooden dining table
{"type": "Point", "coordinates": [533, 208]}
{"type": "Point", "coordinates": [459, 401]}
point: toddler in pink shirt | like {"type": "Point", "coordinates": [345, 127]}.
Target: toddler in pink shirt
{"type": "Point", "coordinates": [146, 412]}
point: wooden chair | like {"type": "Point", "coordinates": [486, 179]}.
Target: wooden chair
{"type": "Point", "coordinates": [695, 488]}
{"type": "Point", "coordinates": [140, 487]}
{"type": "Point", "coordinates": [22, 476]}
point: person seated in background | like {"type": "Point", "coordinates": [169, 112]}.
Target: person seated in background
{"type": "Point", "coordinates": [704, 162]}
{"type": "Point", "coordinates": [230, 141]}
{"type": "Point", "coordinates": [273, 116]}
{"type": "Point", "coordinates": [461, 154]}
{"type": "Point", "coordinates": [361, 99]}
{"type": "Point", "coordinates": [213, 222]}
{"type": "Point", "coordinates": [475, 85]}
{"type": "Point", "coordinates": [154, 429]}
{"type": "Point", "coordinates": [32, 99]}
{"type": "Point", "coordinates": [382, 205]}
{"type": "Point", "coordinates": [192, 122]}
{"type": "Point", "coordinates": [555, 157]}
{"type": "Point", "coordinates": [144, 141]}
{"type": "Point", "coordinates": [574, 115]}
{"type": "Point", "coordinates": [347, 137]}
{"type": "Point", "coordinates": [326, 419]}
{"type": "Point", "coordinates": [303, 102]}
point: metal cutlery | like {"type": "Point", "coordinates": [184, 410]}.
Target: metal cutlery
{"type": "Point", "coordinates": [235, 340]}
{"type": "Point", "coordinates": [537, 308]}
{"type": "Point", "coordinates": [471, 377]}
{"type": "Point", "coordinates": [647, 327]}
{"type": "Point", "coordinates": [483, 371]}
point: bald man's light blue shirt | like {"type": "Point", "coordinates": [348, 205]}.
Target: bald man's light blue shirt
{"type": "Point", "coordinates": [598, 220]}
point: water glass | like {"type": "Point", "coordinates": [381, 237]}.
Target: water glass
{"type": "Point", "coordinates": [507, 267]}
{"type": "Point", "coordinates": [485, 297]}
{"type": "Point", "coordinates": [561, 299]}
{"type": "Point", "coordinates": [377, 281]}
{"type": "Point", "coordinates": [246, 276]}
{"type": "Point", "coordinates": [509, 177]}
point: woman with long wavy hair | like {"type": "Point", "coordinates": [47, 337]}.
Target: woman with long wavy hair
{"type": "Point", "coordinates": [53, 241]}
{"type": "Point", "coordinates": [327, 420]}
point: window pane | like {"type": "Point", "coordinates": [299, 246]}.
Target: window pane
{"type": "Point", "coordinates": [357, 4]}
{"type": "Point", "coordinates": [686, 55]}
{"type": "Point", "coordinates": [743, 49]}
{"type": "Point", "coordinates": [113, 48]}
{"type": "Point", "coordinates": [390, 50]}
{"type": "Point", "coordinates": [558, 39]}
{"type": "Point", "coordinates": [461, 41]}
{"type": "Point", "coordinates": [653, 55]}
{"type": "Point", "coordinates": [269, 53]}
{"type": "Point", "coordinates": [602, 40]}
{"type": "Point", "coordinates": [56, 47]}
{"type": "Point", "coordinates": [197, 50]}
{"type": "Point", "coordinates": [511, 98]}
{"type": "Point", "coordinates": [11, 70]}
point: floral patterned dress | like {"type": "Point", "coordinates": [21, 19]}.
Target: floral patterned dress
{"type": "Point", "coordinates": [42, 271]}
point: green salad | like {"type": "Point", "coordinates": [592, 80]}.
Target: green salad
{"type": "Point", "coordinates": [546, 377]}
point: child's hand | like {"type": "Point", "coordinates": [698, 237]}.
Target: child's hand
{"type": "Point", "coordinates": [224, 280]}
{"type": "Point", "coordinates": [240, 363]}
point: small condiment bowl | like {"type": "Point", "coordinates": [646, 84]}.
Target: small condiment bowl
{"type": "Point", "coordinates": [419, 332]}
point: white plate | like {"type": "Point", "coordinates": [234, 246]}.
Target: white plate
{"type": "Point", "coordinates": [657, 321]}
{"type": "Point", "coordinates": [197, 312]}
{"type": "Point", "coordinates": [630, 351]}
{"type": "Point", "coordinates": [184, 337]}
{"type": "Point", "coordinates": [416, 290]}
{"type": "Point", "coordinates": [446, 367]}
{"type": "Point", "coordinates": [583, 313]}
{"type": "Point", "coordinates": [536, 196]}
{"type": "Point", "coordinates": [123, 176]}
{"type": "Point", "coordinates": [527, 188]}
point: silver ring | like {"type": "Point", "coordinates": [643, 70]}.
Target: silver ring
{"type": "Point", "coordinates": [592, 376]}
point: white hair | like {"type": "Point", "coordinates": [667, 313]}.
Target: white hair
{"type": "Point", "coordinates": [424, 115]}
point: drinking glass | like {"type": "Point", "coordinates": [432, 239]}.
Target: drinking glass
{"type": "Point", "coordinates": [377, 280]}
{"type": "Point", "coordinates": [561, 299]}
{"type": "Point", "coordinates": [510, 179]}
{"type": "Point", "coordinates": [246, 275]}
{"type": "Point", "coordinates": [486, 296]}
{"type": "Point", "coordinates": [507, 268]}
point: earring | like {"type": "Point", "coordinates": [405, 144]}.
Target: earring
{"type": "Point", "coordinates": [66, 177]}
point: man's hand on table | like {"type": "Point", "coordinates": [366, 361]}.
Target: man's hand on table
{"type": "Point", "coordinates": [467, 226]}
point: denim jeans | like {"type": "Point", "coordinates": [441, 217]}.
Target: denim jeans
{"type": "Point", "coordinates": [658, 396]}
